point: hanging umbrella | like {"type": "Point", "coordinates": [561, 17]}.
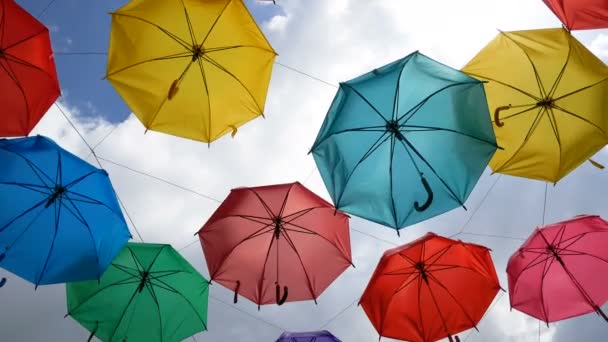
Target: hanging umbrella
{"type": "Point", "coordinates": [28, 78]}
{"type": "Point", "coordinates": [559, 271]}
{"type": "Point", "coordinates": [149, 293]}
{"type": "Point", "coordinates": [276, 244]}
{"type": "Point", "coordinates": [405, 142]}
{"type": "Point", "coordinates": [60, 220]}
{"type": "Point", "coordinates": [429, 289]}
{"type": "Point", "coordinates": [547, 94]}
{"type": "Point", "coordinates": [580, 14]}
{"type": "Point", "coordinates": [193, 69]}
{"type": "Point", "coordinates": [313, 336]}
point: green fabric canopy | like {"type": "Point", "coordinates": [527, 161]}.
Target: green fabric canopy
{"type": "Point", "coordinates": [148, 293]}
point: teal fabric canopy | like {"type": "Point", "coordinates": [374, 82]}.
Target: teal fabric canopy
{"type": "Point", "coordinates": [405, 142]}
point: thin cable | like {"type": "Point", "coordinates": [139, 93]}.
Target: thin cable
{"type": "Point", "coordinates": [161, 180]}
{"type": "Point", "coordinates": [247, 313]}
{"type": "Point", "coordinates": [307, 75]}
{"type": "Point", "coordinates": [338, 314]}
{"type": "Point", "coordinates": [188, 245]}
{"type": "Point", "coordinates": [312, 171]}
{"type": "Point", "coordinates": [45, 9]}
{"type": "Point", "coordinates": [101, 166]}
{"type": "Point", "coordinates": [375, 237]}
{"type": "Point", "coordinates": [80, 53]}
{"type": "Point", "coordinates": [494, 236]}
{"type": "Point", "coordinates": [479, 206]}
{"type": "Point", "coordinates": [545, 203]}
{"type": "Point", "coordinates": [489, 309]}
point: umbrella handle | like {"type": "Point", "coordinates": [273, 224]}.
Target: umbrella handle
{"type": "Point", "coordinates": [93, 332]}
{"type": "Point", "coordinates": [173, 89]}
{"type": "Point", "coordinates": [236, 292]}
{"type": "Point", "coordinates": [429, 199]}
{"type": "Point", "coordinates": [2, 282]}
{"type": "Point", "coordinates": [497, 115]}
{"type": "Point", "coordinates": [281, 300]}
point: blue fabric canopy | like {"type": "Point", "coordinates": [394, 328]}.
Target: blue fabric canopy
{"type": "Point", "coordinates": [313, 336]}
{"type": "Point", "coordinates": [60, 220]}
{"type": "Point", "coordinates": [405, 142]}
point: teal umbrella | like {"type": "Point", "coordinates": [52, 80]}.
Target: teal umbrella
{"type": "Point", "coordinates": [405, 142]}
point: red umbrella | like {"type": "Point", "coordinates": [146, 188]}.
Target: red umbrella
{"type": "Point", "coordinates": [580, 14]}
{"type": "Point", "coordinates": [561, 270]}
{"type": "Point", "coordinates": [28, 78]}
{"type": "Point", "coordinates": [276, 243]}
{"type": "Point", "coordinates": [430, 288]}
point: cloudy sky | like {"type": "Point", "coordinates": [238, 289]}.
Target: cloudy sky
{"type": "Point", "coordinates": [335, 41]}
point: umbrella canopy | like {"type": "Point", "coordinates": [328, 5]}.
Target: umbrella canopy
{"type": "Point", "coordinates": [547, 94]}
{"type": "Point", "coordinates": [60, 220]}
{"type": "Point", "coordinates": [193, 69]}
{"type": "Point", "coordinates": [560, 271]}
{"type": "Point", "coordinates": [149, 293]}
{"type": "Point", "coordinates": [430, 288]}
{"type": "Point", "coordinates": [313, 336]}
{"type": "Point", "coordinates": [580, 14]}
{"type": "Point", "coordinates": [276, 244]}
{"type": "Point", "coordinates": [405, 142]}
{"type": "Point", "coordinates": [28, 78]}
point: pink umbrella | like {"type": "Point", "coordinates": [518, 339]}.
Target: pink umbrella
{"type": "Point", "coordinates": [561, 270]}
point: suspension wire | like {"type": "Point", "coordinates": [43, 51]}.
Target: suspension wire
{"type": "Point", "coordinates": [489, 309]}
{"type": "Point", "coordinates": [101, 166]}
{"type": "Point", "coordinates": [461, 231]}
{"type": "Point", "coordinates": [545, 203]}
{"type": "Point", "coordinates": [306, 74]}
{"type": "Point", "coordinates": [339, 314]}
{"type": "Point", "coordinates": [246, 313]}
{"type": "Point", "coordinates": [45, 9]}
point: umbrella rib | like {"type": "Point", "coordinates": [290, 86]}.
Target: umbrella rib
{"type": "Point", "coordinates": [420, 307]}
{"type": "Point", "coordinates": [220, 67]}
{"type": "Point", "coordinates": [432, 277]}
{"type": "Point", "coordinates": [150, 289]}
{"type": "Point", "coordinates": [24, 39]}
{"type": "Point", "coordinates": [224, 48]}
{"type": "Point", "coordinates": [33, 166]}
{"type": "Point", "coordinates": [575, 238]}
{"type": "Point", "coordinates": [125, 281]}
{"type": "Point", "coordinates": [122, 315]}
{"type": "Point", "coordinates": [346, 85]}
{"type": "Point", "coordinates": [561, 72]}
{"type": "Point", "coordinates": [250, 219]}
{"type": "Point", "coordinates": [13, 77]}
{"type": "Point", "coordinates": [536, 74]}
{"type": "Point", "coordinates": [126, 269]}
{"type": "Point", "coordinates": [542, 285]}
{"type": "Point", "coordinates": [581, 89]}
{"type": "Point", "coordinates": [293, 246]}
{"type": "Point", "coordinates": [402, 286]}
{"type": "Point", "coordinates": [526, 138]}
{"type": "Point", "coordinates": [285, 201]}
{"type": "Point", "coordinates": [24, 213]}
{"type": "Point", "coordinates": [396, 97]}
{"type": "Point", "coordinates": [415, 109]}
{"type": "Point", "coordinates": [579, 117]}
{"type": "Point", "coordinates": [31, 187]}
{"type": "Point", "coordinates": [27, 228]}
{"type": "Point", "coordinates": [518, 113]}
{"type": "Point", "coordinates": [432, 169]}
{"type": "Point", "coordinates": [204, 76]}
{"type": "Point", "coordinates": [271, 215]}
{"type": "Point", "coordinates": [535, 98]}
{"type": "Point", "coordinates": [261, 279]}
{"type": "Point", "coordinates": [177, 39]}
{"type": "Point", "coordinates": [375, 146]}
{"type": "Point", "coordinates": [81, 218]}
{"type": "Point", "coordinates": [79, 179]}
{"type": "Point", "coordinates": [308, 231]}
{"type": "Point", "coordinates": [92, 201]}
{"type": "Point", "coordinates": [390, 175]}
{"type": "Point", "coordinates": [172, 289]}
{"type": "Point", "coordinates": [48, 256]}
{"type": "Point", "coordinates": [215, 22]}
{"type": "Point", "coordinates": [163, 58]}
{"type": "Point", "coordinates": [2, 23]}
{"type": "Point", "coordinates": [135, 260]}
{"type": "Point", "coordinates": [359, 129]}
{"type": "Point", "coordinates": [253, 235]}
{"type": "Point", "coordinates": [553, 122]}
{"type": "Point", "coordinates": [190, 28]}
{"type": "Point", "coordinates": [10, 58]}
{"type": "Point", "coordinates": [169, 273]}
{"type": "Point", "coordinates": [582, 253]}
{"type": "Point", "coordinates": [445, 326]}
{"type": "Point", "coordinates": [432, 128]}
{"type": "Point", "coordinates": [437, 255]}
{"type": "Point", "coordinates": [300, 213]}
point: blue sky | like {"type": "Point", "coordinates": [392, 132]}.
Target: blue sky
{"type": "Point", "coordinates": [84, 26]}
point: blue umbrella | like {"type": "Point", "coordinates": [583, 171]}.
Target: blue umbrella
{"type": "Point", "coordinates": [60, 220]}
{"type": "Point", "coordinates": [405, 142]}
{"type": "Point", "coordinates": [313, 336]}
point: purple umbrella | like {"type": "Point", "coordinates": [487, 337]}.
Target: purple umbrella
{"type": "Point", "coordinates": [314, 336]}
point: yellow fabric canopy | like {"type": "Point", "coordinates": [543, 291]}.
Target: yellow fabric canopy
{"type": "Point", "coordinates": [190, 68]}
{"type": "Point", "coordinates": [548, 97]}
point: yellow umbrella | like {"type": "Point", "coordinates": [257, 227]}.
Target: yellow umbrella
{"type": "Point", "coordinates": [548, 97]}
{"type": "Point", "coordinates": [190, 68]}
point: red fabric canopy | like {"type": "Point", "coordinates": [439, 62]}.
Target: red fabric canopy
{"type": "Point", "coordinates": [580, 14]}
{"type": "Point", "coordinates": [276, 243]}
{"type": "Point", "coordinates": [561, 270]}
{"type": "Point", "coordinates": [429, 289]}
{"type": "Point", "coordinates": [28, 78]}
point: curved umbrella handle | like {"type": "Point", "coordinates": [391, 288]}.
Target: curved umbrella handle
{"type": "Point", "coordinates": [497, 115]}
{"type": "Point", "coordinates": [2, 282]}
{"type": "Point", "coordinates": [429, 199]}
{"type": "Point", "coordinates": [236, 292]}
{"type": "Point", "coordinates": [281, 300]}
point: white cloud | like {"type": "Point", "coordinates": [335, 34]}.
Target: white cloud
{"type": "Point", "coordinates": [599, 46]}
{"type": "Point", "coordinates": [336, 41]}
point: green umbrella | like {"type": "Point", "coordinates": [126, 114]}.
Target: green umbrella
{"type": "Point", "coordinates": [148, 293]}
